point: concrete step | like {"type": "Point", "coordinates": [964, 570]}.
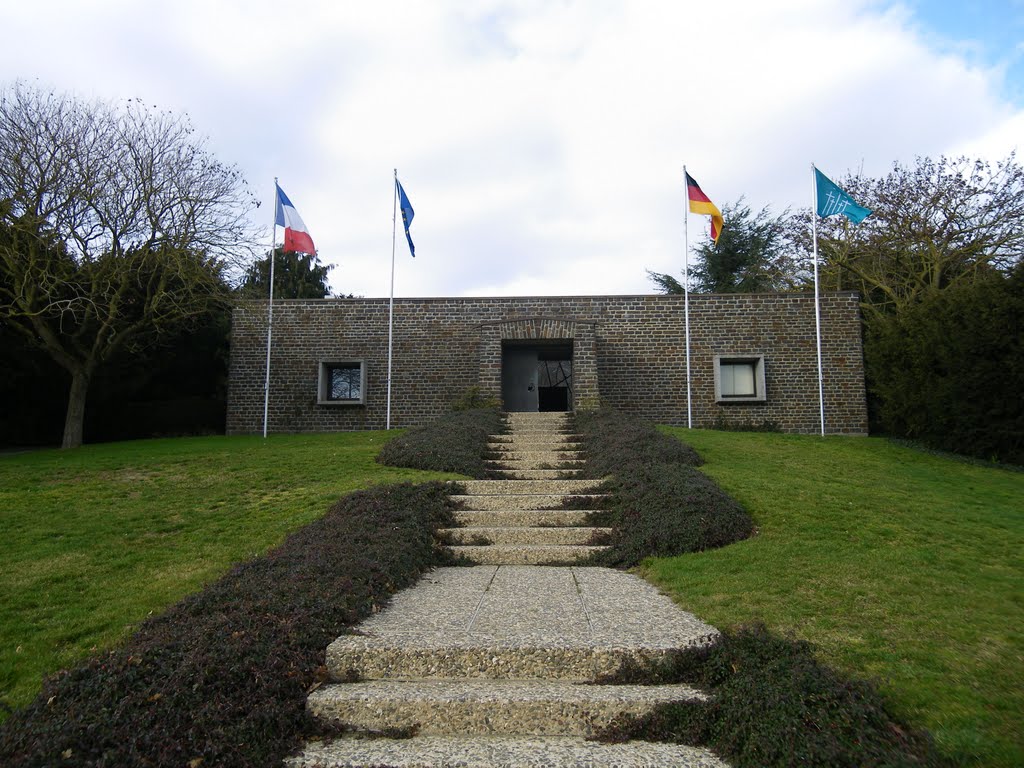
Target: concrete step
{"type": "Point", "coordinates": [491, 751]}
{"type": "Point", "coordinates": [551, 461]}
{"type": "Point", "coordinates": [545, 461]}
{"type": "Point", "coordinates": [484, 662]}
{"type": "Point", "coordinates": [526, 487]}
{"type": "Point", "coordinates": [525, 501]}
{"type": "Point", "coordinates": [500, 450]}
{"type": "Point", "coordinates": [516, 622]}
{"type": "Point", "coordinates": [495, 535]}
{"type": "Point", "coordinates": [537, 415]}
{"type": "Point", "coordinates": [561, 438]}
{"type": "Point", "coordinates": [539, 429]}
{"type": "Point", "coordinates": [503, 450]}
{"type": "Point", "coordinates": [525, 554]}
{"type": "Point", "coordinates": [519, 707]}
{"type": "Point", "coordinates": [559, 442]}
{"type": "Point", "coordinates": [544, 422]}
{"type": "Point", "coordinates": [538, 425]}
{"type": "Point", "coordinates": [553, 458]}
{"type": "Point", "coordinates": [535, 474]}
{"type": "Point", "coordinates": [523, 517]}
{"type": "Point", "coordinates": [355, 657]}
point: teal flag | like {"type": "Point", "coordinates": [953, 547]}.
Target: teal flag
{"type": "Point", "coordinates": [832, 200]}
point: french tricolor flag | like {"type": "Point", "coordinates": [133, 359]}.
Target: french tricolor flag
{"type": "Point", "coordinates": [296, 236]}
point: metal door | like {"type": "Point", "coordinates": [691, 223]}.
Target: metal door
{"type": "Point", "coordinates": [519, 379]}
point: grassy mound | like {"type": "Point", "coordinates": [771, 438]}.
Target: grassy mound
{"type": "Point", "coordinates": [660, 505]}
{"type": "Point", "coordinates": [222, 677]}
{"type": "Point", "coordinates": [773, 704]}
{"type": "Point", "coordinates": [456, 442]}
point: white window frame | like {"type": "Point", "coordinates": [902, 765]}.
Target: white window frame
{"type": "Point", "coordinates": [757, 361]}
{"type": "Point", "coordinates": [323, 387]}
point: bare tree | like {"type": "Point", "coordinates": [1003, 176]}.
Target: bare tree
{"type": "Point", "coordinates": [933, 225]}
{"type": "Point", "coordinates": [116, 223]}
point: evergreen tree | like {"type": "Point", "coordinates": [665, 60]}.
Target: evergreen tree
{"type": "Point", "coordinates": [753, 254]}
{"type": "Point", "coordinates": [296, 276]}
{"type": "Point", "coordinates": [949, 370]}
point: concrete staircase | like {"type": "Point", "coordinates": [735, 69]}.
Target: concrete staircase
{"type": "Point", "coordinates": [499, 664]}
{"type": "Point", "coordinates": [496, 666]}
{"type": "Point", "coordinates": [538, 446]}
{"type": "Point", "coordinates": [520, 519]}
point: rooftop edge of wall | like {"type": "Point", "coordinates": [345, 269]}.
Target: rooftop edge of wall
{"type": "Point", "coordinates": [615, 296]}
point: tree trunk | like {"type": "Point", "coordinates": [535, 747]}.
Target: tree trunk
{"type": "Point", "coordinates": [74, 421]}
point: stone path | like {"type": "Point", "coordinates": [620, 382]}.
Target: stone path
{"type": "Point", "coordinates": [494, 665]}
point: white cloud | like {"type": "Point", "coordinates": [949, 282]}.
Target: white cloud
{"type": "Point", "coordinates": [541, 143]}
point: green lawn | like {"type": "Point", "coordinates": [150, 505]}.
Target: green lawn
{"type": "Point", "coordinates": [900, 566]}
{"type": "Point", "coordinates": [94, 540]}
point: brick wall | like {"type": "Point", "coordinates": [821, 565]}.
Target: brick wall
{"type": "Point", "coordinates": [629, 352]}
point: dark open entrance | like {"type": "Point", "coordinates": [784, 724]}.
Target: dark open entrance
{"type": "Point", "coordinates": [536, 375]}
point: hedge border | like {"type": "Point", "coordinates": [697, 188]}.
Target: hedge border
{"type": "Point", "coordinates": [659, 504]}
{"type": "Point", "coordinates": [221, 678]}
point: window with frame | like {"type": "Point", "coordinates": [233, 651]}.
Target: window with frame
{"type": "Point", "coordinates": [739, 379]}
{"type": "Point", "coordinates": [342, 382]}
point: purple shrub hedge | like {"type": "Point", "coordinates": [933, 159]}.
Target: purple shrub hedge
{"type": "Point", "coordinates": [456, 442]}
{"type": "Point", "coordinates": [772, 704]}
{"type": "Point", "coordinates": [221, 678]}
{"type": "Point", "coordinates": [660, 504]}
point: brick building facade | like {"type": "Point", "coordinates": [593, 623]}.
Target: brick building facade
{"type": "Point", "coordinates": [753, 359]}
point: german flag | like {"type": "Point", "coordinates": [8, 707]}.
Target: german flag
{"type": "Point", "coordinates": [699, 203]}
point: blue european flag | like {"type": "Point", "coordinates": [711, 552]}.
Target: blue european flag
{"type": "Point", "coordinates": [832, 200]}
{"type": "Point", "coordinates": [407, 214]}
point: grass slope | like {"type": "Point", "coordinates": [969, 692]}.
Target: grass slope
{"type": "Point", "coordinates": [96, 539]}
{"type": "Point", "coordinates": [898, 565]}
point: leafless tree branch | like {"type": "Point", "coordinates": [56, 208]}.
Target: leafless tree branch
{"type": "Point", "coordinates": [116, 222]}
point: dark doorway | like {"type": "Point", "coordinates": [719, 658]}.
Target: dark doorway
{"type": "Point", "coordinates": [536, 376]}
{"type": "Point", "coordinates": [553, 399]}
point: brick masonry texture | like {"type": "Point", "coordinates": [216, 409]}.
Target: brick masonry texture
{"type": "Point", "coordinates": [629, 352]}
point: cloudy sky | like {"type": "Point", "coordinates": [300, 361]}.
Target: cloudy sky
{"type": "Point", "coordinates": [541, 142]}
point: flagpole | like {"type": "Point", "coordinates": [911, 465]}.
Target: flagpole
{"type": "Point", "coordinates": [270, 314]}
{"type": "Point", "coordinates": [686, 295]}
{"type": "Point", "coordinates": [817, 300]}
{"type": "Point", "coordinates": [391, 301]}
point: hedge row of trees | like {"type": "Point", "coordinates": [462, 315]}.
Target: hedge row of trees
{"type": "Point", "coordinates": [938, 266]}
{"type": "Point", "coordinates": [174, 385]}
{"type": "Point", "coordinates": [123, 245]}
{"type": "Point", "coordinates": [949, 370]}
